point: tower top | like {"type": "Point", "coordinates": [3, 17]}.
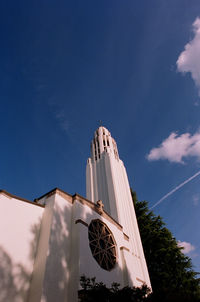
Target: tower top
{"type": "Point", "coordinates": [103, 143]}
{"type": "Point", "coordinates": [101, 130]}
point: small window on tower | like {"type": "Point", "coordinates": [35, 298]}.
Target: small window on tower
{"type": "Point", "coordinates": [108, 142]}
{"type": "Point", "coordinates": [104, 143]}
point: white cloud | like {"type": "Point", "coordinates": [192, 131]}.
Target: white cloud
{"type": "Point", "coordinates": [175, 148]}
{"type": "Point", "coordinates": [187, 247]}
{"type": "Point", "coordinates": [189, 59]}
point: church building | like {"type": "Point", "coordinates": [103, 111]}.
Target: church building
{"type": "Point", "coordinates": [46, 245]}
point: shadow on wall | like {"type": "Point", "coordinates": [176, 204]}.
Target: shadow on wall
{"type": "Point", "coordinates": [14, 279]}
{"type": "Point", "coordinates": [56, 275]}
{"type": "Point", "coordinates": [8, 289]}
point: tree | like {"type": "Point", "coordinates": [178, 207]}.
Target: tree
{"type": "Point", "coordinates": [92, 291]}
{"type": "Point", "coordinates": [171, 273]}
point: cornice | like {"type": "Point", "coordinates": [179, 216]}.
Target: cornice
{"type": "Point", "coordinates": [70, 198]}
{"type": "Point", "coordinates": [9, 195]}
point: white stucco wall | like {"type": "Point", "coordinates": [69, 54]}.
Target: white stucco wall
{"type": "Point", "coordinates": [45, 249]}
{"type": "Point", "coordinates": [69, 255]}
{"type": "Point", "coordinates": [57, 268]}
{"type": "Point", "coordinates": [126, 268]}
{"type": "Point", "coordinates": [19, 230]}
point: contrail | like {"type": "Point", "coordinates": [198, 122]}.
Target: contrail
{"type": "Point", "coordinates": [175, 189]}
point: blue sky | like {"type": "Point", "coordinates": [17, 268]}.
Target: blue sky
{"type": "Point", "coordinates": [135, 65]}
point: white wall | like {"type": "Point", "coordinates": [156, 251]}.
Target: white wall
{"type": "Point", "coordinates": [45, 250]}
{"type": "Point", "coordinates": [69, 255]}
{"type": "Point", "coordinates": [88, 265]}
{"type": "Point", "coordinates": [19, 229]}
{"type": "Point", "coordinates": [57, 267]}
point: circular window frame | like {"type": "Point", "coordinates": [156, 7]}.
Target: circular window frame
{"type": "Point", "coordinates": [102, 244]}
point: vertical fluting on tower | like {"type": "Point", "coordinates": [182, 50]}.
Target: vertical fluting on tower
{"type": "Point", "coordinates": [106, 179]}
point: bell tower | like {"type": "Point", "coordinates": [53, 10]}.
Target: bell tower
{"type": "Point", "coordinates": [106, 180]}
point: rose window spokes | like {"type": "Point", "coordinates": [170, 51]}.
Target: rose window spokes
{"type": "Point", "coordinates": [102, 244]}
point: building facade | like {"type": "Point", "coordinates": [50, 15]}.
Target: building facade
{"type": "Point", "coordinates": [46, 245]}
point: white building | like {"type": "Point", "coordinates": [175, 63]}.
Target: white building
{"type": "Point", "coordinates": [46, 245]}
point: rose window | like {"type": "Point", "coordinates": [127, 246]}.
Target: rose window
{"type": "Point", "coordinates": [102, 244]}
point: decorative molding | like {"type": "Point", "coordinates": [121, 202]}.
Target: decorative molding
{"type": "Point", "coordinates": [100, 207]}
{"type": "Point", "coordinates": [81, 221]}
{"type": "Point", "coordinates": [65, 195]}
{"type": "Point", "coordinates": [8, 195]}
{"type": "Point", "coordinates": [126, 237]}
{"type": "Point", "coordinates": [20, 198]}
{"type": "Point", "coordinates": [94, 207]}
{"type": "Point", "coordinates": [124, 248]}
{"type": "Point", "coordinates": [54, 191]}
{"type": "Point", "coordinates": [76, 197]}
{"type": "Point", "coordinates": [138, 279]}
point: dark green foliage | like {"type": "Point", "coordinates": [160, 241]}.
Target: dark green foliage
{"type": "Point", "coordinates": [171, 273]}
{"type": "Point", "coordinates": [98, 292]}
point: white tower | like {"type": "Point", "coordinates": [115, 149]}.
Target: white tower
{"type": "Point", "coordinates": [106, 180]}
